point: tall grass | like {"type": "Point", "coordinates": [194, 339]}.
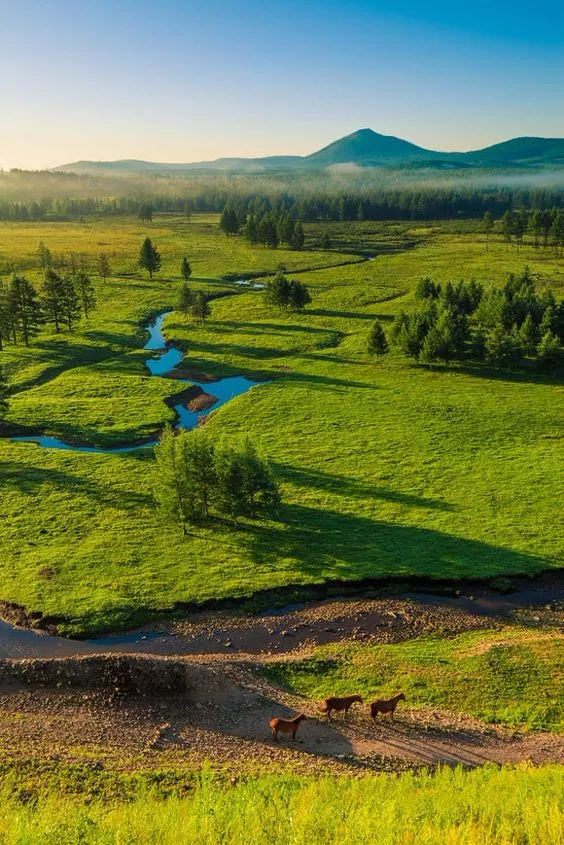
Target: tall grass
{"type": "Point", "coordinates": [482, 807]}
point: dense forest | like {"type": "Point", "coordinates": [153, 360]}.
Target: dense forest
{"type": "Point", "coordinates": [64, 196]}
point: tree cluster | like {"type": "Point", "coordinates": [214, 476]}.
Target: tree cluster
{"type": "Point", "coordinates": [64, 295]}
{"type": "Point", "coordinates": [268, 227]}
{"type": "Point", "coordinates": [545, 226]}
{"type": "Point", "coordinates": [501, 326]}
{"type": "Point", "coordinates": [193, 303]}
{"type": "Point", "coordinates": [286, 294]}
{"type": "Point", "coordinates": [197, 479]}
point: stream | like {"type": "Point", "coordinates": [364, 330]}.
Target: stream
{"type": "Point", "coordinates": [282, 629]}
{"type": "Point", "coordinates": [168, 357]}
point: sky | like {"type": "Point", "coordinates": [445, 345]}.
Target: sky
{"type": "Point", "coordinates": [178, 80]}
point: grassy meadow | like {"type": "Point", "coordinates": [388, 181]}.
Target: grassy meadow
{"type": "Point", "coordinates": [512, 677]}
{"type": "Point", "coordinates": [386, 469]}
{"type": "Point", "coordinates": [487, 806]}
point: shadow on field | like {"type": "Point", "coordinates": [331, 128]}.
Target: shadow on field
{"type": "Point", "coordinates": [30, 479]}
{"type": "Point", "coordinates": [354, 547]}
{"type": "Point", "coordinates": [346, 486]}
{"type": "Point", "coordinates": [347, 315]}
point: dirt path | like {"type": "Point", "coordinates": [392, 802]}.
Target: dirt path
{"type": "Point", "coordinates": [224, 718]}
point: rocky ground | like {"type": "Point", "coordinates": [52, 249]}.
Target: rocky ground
{"type": "Point", "coordinates": [223, 714]}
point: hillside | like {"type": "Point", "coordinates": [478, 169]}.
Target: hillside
{"type": "Point", "coordinates": [364, 148]}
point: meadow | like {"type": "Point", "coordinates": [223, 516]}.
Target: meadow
{"type": "Point", "coordinates": [487, 806]}
{"type": "Point", "coordinates": [386, 469]}
{"type": "Point", "coordinates": [511, 676]}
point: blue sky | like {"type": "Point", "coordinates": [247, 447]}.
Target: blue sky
{"type": "Point", "coordinates": [186, 81]}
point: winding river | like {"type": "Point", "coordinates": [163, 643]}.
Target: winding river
{"type": "Point", "coordinates": [167, 358]}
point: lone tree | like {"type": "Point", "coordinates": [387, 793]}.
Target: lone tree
{"type": "Point", "coordinates": [377, 343]}
{"type": "Point", "coordinates": [149, 258]}
{"type": "Point", "coordinates": [185, 269]}
{"type": "Point", "coordinates": [185, 299]}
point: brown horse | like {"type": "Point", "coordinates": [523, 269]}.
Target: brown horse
{"type": "Point", "coordinates": [386, 705]}
{"type": "Point", "coordinates": [337, 704]}
{"type": "Point", "coordinates": [287, 726]}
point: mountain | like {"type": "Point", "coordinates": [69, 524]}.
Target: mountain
{"type": "Point", "coordinates": [364, 148]}
{"type": "Point", "coordinates": [367, 149]}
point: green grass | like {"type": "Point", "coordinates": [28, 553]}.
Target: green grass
{"type": "Point", "coordinates": [386, 470]}
{"type": "Point", "coordinates": [488, 806]}
{"type": "Point", "coordinates": [512, 676]}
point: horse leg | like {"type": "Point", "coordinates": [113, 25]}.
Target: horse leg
{"type": "Point", "coordinates": [274, 735]}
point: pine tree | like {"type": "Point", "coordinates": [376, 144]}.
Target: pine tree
{"type": "Point", "coordinates": [3, 394]}
{"type": "Point", "coordinates": [45, 258]}
{"type": "Point", "coordinates": [149, 258]}
{"type": "Point", "coordinates": [508, 226]}
{"type": "Point", "coordinates": [528, 335]}
{"type": "Point", "coordinates": [260, 492]}
{"type": "Point", "coordinates": [185, 269]}
{"type": "Point", "coordinates": [25, 308]}
{"type": "Point", "coordinates": [170, 487]}
{"type": "Point", "coordinates": [250, 229]}
{"type": "Point", "coordinates": [549, 353]}
{"type": "Point", "coordinates": [103, 266]}
{"type": "Point", "coordinates": [200, 308]}
{"type": "Point", "coordinates": [298, 237]}
{"type": "Point", "coordinates": [52, 299]}
{"type": "Point", "coordinates": [298, 295]}
{"type": "Point", "coordinates": [229, 222]}
{"type": "Point", "coordinates": [488, 223]}
{"type": "Point", "coordinates": [85, 291]}
{"type": "Point", "coordinates": [6, 317]}
{"type": "Point", "coordinates": [196, 457]}
{"type": "Point", "coordinates": [277, 291]}
{"type": "Point", "coordinates": [230, 473]}
{"type": "Point", "coordinates": [185, 298]}
{"type": "Point", "coordinates": [377, 343]}
{"type": "Point", "coordinates": [70, 301]}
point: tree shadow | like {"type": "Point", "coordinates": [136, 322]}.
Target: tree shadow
{"type": "Point", "coordinates": [345, 486]}
{"type": "Point", "coordinates": [30, 479]}
{"type": "Point", "coordinates": [349, 547]}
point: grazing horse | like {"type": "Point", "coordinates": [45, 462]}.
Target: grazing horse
{"type": "Point", "coordinates": [386, 705]}
{"type": "Point", "coordinates": [287, 726]}
{"type": "Point", "coordinates": [337, 704]}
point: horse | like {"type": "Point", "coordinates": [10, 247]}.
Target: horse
{"type": "Point", "coordinates": [334, 703]}
{"type": "Point", "coordinates": [288, 726]}
{"type": "Point", "coordinates": [386, 705]}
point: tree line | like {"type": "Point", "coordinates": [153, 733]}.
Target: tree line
{"type": "Point", "coordinates": [198, 479]}
{"type": "Point", "coordinates": [302, 198]}
{"type": "Point", "coordinates": [501, 326]}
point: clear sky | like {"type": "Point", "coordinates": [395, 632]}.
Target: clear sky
{"type": "Point", "coordinates": [178, 80]}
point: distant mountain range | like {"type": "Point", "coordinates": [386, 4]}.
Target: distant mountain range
{"type": "Point", "coordinates": [364, 148]}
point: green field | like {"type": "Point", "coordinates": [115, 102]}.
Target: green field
{"type": "Point", "coordinates": [387, 469]}
{"type": "Point", "coordinates": [487, 806]}
{"type": "Point", "coordinates": [512, 676]}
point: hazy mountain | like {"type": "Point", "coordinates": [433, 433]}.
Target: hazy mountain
{"type": "Point", "coordinates": [364, 148]}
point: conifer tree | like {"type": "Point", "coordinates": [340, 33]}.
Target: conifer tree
{"type": "Point", "coordinates": [25, 308]}
{"type": "Point", "coordinates": [488, 223]}
{"type": "Point", "coordinates": [70, 301]}
{"type": "Point", "coordinates": [85, 291]}
{"type": "Point", "coordinates": [377, 343]}
{"type": "Point", "coordinates": [149, 258]}
{"type": "Point", "coordinates": [3, 394]}
{"type": "Point", "coordinates": [52, 299]}
{"type": "Point", "coordinates": [103, 266]}
{"type": "Point", "coordinates": [185, 298]}
{"type": "Point", "coordinates": [200, 308]}
{"type": "Point", "coordinates": [185, 269]}
{"type": "Point", "coordinates": [298, 237]}
{"type": "Point", "coordinates": [549, 353]}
